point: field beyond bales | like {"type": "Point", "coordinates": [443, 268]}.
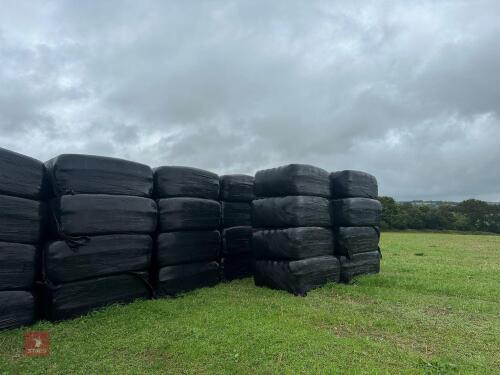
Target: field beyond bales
{"type": "Point", "coordinates": [433, 309]}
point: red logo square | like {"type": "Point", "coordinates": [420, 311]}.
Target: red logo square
{"type": "Point", "coordinates": [36, 343]}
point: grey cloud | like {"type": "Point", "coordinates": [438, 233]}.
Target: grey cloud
{"type": "Point", "coordinates": [409, 91]}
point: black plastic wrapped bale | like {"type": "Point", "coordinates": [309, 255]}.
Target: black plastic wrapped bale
{"type": "Point", "coordinates": [89, 214]}
{"type": "Point", "coordinates": [353, 184]}
{"type": "Point", "coordinates": [188, 214]}
{"type": "Point", "coordinates": [359, 264]}
{"type": "Point", "coordinates": [21, 175]}
{"type": "Point", "coordinates": [17, 309]}
{"type": "Point", "coordinates": [18, 264]}
{"type": "Point", "coordinates": [78, 298]}
{"type": "Point", "coordinates": [236, 214]}
{"type": "Point", "coordinates": [356, 212]}
{"type": "Point", "coordinates": [173, 181]}
{"type": "Point", "coordinates": [236, 188]}
{"type": "Point", "coordinates": [21, 220]}
{"type": "Point", "coordinates": [237, 240]}
{"type": "Point", "coordinates": [100, 256]}
{"type": "Point", "coordinates": [292, 243]}
{"type": "Point", "coordinates": [354, 240]}
{"type": "Point", "coordinates": [292, 179]}
{"type": "Point", "coordinates": [188, 247]}
{"type": "Point", "coordinates": [238, 266]}
{"type": "Point", "coordinates": [173, 280]}
{"type": "Point", "coordinates": [297, 276]}
{"type": "Point", "coordinates": [291, 211]}
{"type": "Point", "coordinates": [89, 174]}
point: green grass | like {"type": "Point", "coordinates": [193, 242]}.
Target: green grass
{"type": "Point", "coordinates": [434, 308]}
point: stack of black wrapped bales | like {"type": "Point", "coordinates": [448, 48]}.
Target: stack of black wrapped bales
{"type": "Point", "coordinates": [102, 218]}
{"type": "Point", "coordinates": [188, 244]}
{"type": "Point", "coordinates": [356, 215]}
{"type": "Point", "coordinates": [292, 239]}
{"type": "Point", "coordinates": [22, 219]}
{"type": "Point", "coordinates": [236, 194]}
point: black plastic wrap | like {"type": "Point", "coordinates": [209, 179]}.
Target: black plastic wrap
{"type": "Point", "coordinates": [356, 212]}
{"type": "Point", "coordinates": [292, 211]}
{"type": "Point", "coordinates": [353, 184]}
{"type": "Point", "coordinates": [21, 175]}
{"type": "Point", "coordinates": [100, 256]}
{"type": "Point", "coordinates": [359, 264]}
{"type": "Point", "coordinates": [188, 247]}
{"type": "Point", "coordinates": [97, 214]}
{"type": "Point", "coordinates": [292, 179]}
{"type": "Point", "coordinates": [90, 174]}
{"type": "Point", "coordinates": [21, 220]}
{"type": "Point", "coordinates": [173, 181]}
{"type": "Point", "coordinates": [78, 298]}
{"type": "Point", "coordinates": [237, 240]}
{"type": "Point", "coordinates": [17, 309]}
{"type": "Point", "coordinates": [18, 264]}
{"type": "Point", "coordinates": [236, 188]}
{"type": "Point", "coordinates": [237, 266]}
{"type": "Point", "coordinates": [173, 280]}
{"type": "Point", "coordinates": [354, 240]}
{"type": "Point", "coordinates": [292, 243]}
{"type": "Point", "coordinates": [188, 213]}
{"type": "Point", "coordinates": [236, 214]}
{"type": "Point", "coordinates": [297, 276]}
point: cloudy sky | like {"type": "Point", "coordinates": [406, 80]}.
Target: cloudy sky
{"type": "Point", "coordinates": [406, 90]}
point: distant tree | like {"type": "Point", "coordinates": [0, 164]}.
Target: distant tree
{"type": "Point", "coordinates": [469, 215]}
{"type": "Point", "coordinates": [476, 212]}
{"type": "Point", "coordinates": [415, 216]}
{"type": "Point", "coordinates": [460, 221]}
{"type": "Point", "coordinates": [389, 212]}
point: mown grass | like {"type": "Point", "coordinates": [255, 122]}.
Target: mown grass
{"type": "Point", "coordinates": [434, 308]}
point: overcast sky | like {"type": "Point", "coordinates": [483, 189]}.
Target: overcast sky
{"type": "Point", "coordinates": [406, 90]}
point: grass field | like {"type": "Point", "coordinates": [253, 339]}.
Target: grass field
{"type": "Point", "coordinates": [434, 308]}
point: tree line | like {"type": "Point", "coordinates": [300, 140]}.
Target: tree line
{"type": "Point", "coordinates": [469, 215]}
